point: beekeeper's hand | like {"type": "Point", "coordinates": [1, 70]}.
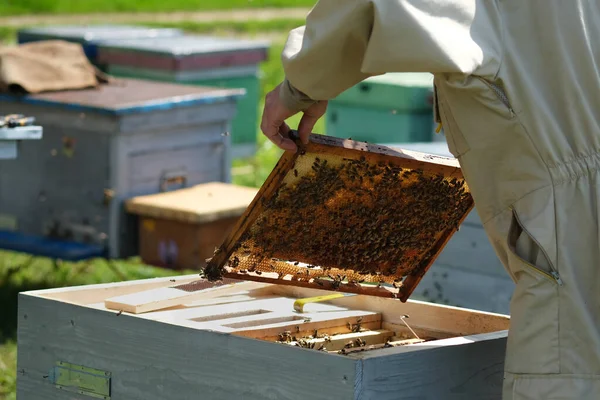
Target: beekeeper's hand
{"type": "Point", "coordinates": [275, 113]}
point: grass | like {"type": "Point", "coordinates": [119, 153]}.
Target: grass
{"type": "Point", "coordinates": [19, 7]}
{"type": "Point", "coordinates": [8, 366]}
{"type": "Point", "coordinates": [20, 272]}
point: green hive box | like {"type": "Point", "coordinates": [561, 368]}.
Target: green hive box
{"type": "Point", "coordinates": [198, 60]}
{"type": "Point", "coordinates": [390, 108]}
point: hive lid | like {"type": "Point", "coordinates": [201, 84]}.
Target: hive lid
{"type": "Point", "coordinates": [198, 204]}
{"type": "Point", "coordinates": [95, 33]}
{"type": "Point", "coordinates": [182, 53]}
{"type": "Point", "coordinates": [348, 216]}
{"type": "Point", "coordinates": [129, 96]}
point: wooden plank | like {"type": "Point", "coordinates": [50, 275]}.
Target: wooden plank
{"type": "Point", "coordinates": [156, 299]}
{"type": "Point", "coordinates": [369, 348]}
{"type": "Point", "coordinates": [329, 326]}
{"type": "Point", "coordinates": [338, 342]}
{"type": "Point", "coordinates": [432, 317]}
{"type": "Point", "coordinates": [90, 294]}
{"type": "Point", "coordinates": [473, 371]}
{"type": "Point", "coordinates": [155, 361]}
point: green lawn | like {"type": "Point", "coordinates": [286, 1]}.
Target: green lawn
{"type": "Point", "coordinates": [15, 7]}
{"type": "Point", "coordinates": [20, 273]}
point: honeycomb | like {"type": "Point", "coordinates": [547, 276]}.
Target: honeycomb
{"type": "Point", "coordinates": [344, 215]}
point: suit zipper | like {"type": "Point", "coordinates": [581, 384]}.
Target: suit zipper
{"type": "Point", "coordinates": [552, 275]}
{"type": "Point", "coordinates": [500, 94]}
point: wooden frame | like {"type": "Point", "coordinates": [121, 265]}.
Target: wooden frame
{"type": "Point", "coordinates": [219, 265]}
{"type": "Point", "coordinates": [173, 353]}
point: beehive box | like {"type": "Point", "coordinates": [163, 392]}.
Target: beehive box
{"type": "Point", "coordinates": [89, 36]}
{"type": "Point", "coordinates": [246, 342]}
{"type": "Point", "coordinates": [390, 108]}
{"type": "Point", "coordinates": [182, 228]}
{"type": "Point", "coordinates": [467, 273]}
{"type": "Point", "coordinates": [198, 60]}
{"type": "Point", "coordinates": [103, 146]}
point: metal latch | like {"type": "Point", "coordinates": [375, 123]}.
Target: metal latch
{"type": "Point", "coordinates": [79, 379]}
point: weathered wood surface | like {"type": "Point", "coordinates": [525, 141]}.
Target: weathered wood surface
{"type": "Point", "coordinates": [177, 354]}
{"type": "Point", "coordinates": [150, 360]}
{"type": "Point", "coordinates": [165, 297]}
{"type": "Point", "coordinates": [469, 371]}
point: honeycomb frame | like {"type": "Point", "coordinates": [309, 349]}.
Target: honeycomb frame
{"type": "Point", "coordinates": [260, 248]}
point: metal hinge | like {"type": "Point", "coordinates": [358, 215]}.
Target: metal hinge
{"type": "Point", "coordinates": [79, 379]}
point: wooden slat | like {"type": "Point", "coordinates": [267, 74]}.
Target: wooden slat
{"type": "Point", "coordinates": [90, 294]}
{"type": "Point", "coordinates": [338, 342]}
{"type": "Point", "coordinates": [156, 299]}
{"type": "Point", "coordinates": [405, 342]}
{"type": "Point", "coordinates": [330, 325]}
{"type": "Point", "coordinates": [433, 317]}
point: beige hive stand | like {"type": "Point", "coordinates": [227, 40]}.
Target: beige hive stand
{"type": "Point", "coordinates": [180, 229]}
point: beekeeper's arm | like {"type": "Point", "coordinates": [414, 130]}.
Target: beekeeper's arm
{"type": "Point", "coordinates": [345, 42]}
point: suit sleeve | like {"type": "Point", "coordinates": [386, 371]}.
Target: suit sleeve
{"type": "Point", "coordinates": [345, 42]}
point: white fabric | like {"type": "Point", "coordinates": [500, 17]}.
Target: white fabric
{"type": "Point", "coordinates": [518, 93]}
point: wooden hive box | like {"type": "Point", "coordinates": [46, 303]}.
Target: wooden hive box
{"type": "Point", "coordinates": [222, 343]}
{"type": "Point", "coordinates": [182, 228]}
{"type": "Point", "coordinates": [103, 146]}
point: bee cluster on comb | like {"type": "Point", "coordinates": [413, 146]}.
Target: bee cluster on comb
{"type": "Point", "coordinates": [348, 216]}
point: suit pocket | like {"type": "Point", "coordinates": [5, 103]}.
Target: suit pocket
{"type": "Point", "coordinates": [528, 251]}
{"type": "Point", "coordinates": [533, 339]}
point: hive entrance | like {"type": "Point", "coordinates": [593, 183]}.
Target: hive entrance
{"type": "Point", "coordinates": [348, 216]}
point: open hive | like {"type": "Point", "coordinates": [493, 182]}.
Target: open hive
{"type": "Point", "coordinates": [347, 216]}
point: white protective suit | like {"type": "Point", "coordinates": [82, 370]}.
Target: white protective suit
{"type": "Point", "coordinates": [518, 93]}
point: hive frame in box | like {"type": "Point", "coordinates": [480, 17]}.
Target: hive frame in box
{"type": "Point", "coordinates": [173, 353]}
{"type": "Point", "coordinates": [221, 263]}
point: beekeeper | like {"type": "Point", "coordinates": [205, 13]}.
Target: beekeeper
{"type": "Point", "coordinates": [517, 90]}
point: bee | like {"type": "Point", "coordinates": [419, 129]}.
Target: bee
{"type": "Point", "coordinates": [296, 173]}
